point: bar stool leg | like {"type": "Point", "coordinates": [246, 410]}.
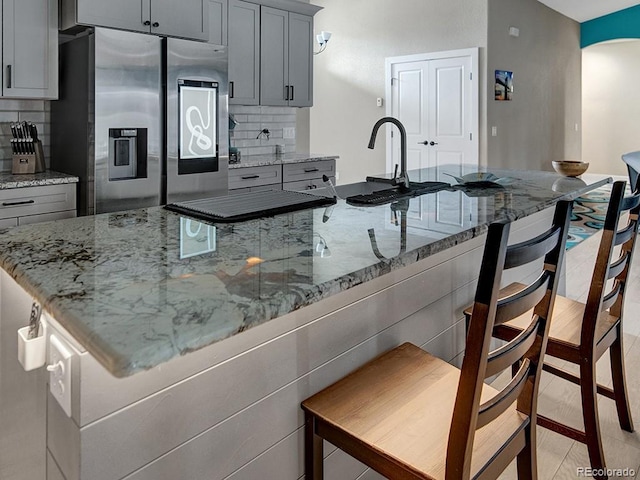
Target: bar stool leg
{"type": "Point", "coordinates": [616, 353]}
{"type": "Point", "coordinates": [590, 414]}
{"type": "Point", "coordinates": [526, 460]}
{"type": "Point", "coordinates": [313, 455]}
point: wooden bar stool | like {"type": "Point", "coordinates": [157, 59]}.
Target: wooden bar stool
{"type": "Point", "coordinates": [409, 415]}
{"type": "Point", "coordinates": [581, 333]}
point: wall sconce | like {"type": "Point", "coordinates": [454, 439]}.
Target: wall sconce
{"type": "Point", "coordinates": [322, 38]}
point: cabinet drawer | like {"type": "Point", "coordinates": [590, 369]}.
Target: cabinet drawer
{"type": "Point", "coordinates": [254, 176]}
{"type": "Point", "coordinates": [20, 202]}
{"type": "Point", "coordinates": [8, 222]}
{"type": "Point", "coordinates": [46, 217]}
{"type": "Point", "coordinates": [302, 185]}
{"type": "Point", "coordinates": [293, 172]}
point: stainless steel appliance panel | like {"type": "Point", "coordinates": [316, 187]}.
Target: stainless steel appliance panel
{"type": "Point", "coordinates": [196, 62]}
{"type": "Point", "coordinates": [127, 96]}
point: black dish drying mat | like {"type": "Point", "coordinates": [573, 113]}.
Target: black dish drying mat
{"type": "Point", "coordinates": [389, 195]}
{"type": "Point", "coordinates": [247, 206]}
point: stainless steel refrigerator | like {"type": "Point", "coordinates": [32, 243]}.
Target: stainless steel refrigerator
{"type": "Point", "coordinates": [141, 120]}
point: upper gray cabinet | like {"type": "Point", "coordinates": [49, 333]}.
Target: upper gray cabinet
{"type": "Point", "coordinates": [30, 48]}
{"type": "Point", "coordinates": [185, 19]}
{"type": "Point", "coordinates": [218, 21]}
{"type": "Point", "coordinates": [244, 53]}
{"type": "Point", "coordinates": [286, 58]}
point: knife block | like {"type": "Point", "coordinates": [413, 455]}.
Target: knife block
{"type": "Point", "coordinates": [24, 163]}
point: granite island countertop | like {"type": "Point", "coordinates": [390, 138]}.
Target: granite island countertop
{"type": "Point", "coordinates": [48, 177]}
{"type": "Point", "coordinates": [285, 158]}
{"type": "Point", "coordinates": [138, 288]}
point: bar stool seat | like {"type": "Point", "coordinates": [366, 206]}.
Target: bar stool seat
{"type": "Point", "coordinates": [409, 415]}
{"type": "Point", "coordinates": [414, 394]}
{"type": "Point", "coordinates": [566, 326]}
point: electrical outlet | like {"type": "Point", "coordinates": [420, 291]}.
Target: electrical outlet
{"type": "Point", "coordinates": [60, 372]}
{"type": "Point", "coordinates": [494, 131]}
{"type": "Point", "coordinates": [378, 102]}
{"type": "Point", "coordinates": [289, 132]}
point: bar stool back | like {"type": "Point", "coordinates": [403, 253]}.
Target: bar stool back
{"type": "Point", "coordinates": [581, 333]}
{"type": "Point", "coordinates": [407, 414]}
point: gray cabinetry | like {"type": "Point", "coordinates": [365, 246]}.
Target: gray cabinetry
{"type": "Point", "coordinates": [307, 175]}
{"type": "Point", "coordinates": [244, 53]}
{"type": "Point", "coordinates": [254, 177]}
{"type": "Point", "coordinates": [300, 60]}
{"type": "Point", "coordinates": [218, 21]}
{"type": "Point", "coordinates": [21, 206]}
{"type": "Point", "coordinates": [186, 19]}
{"type": "Point", "coordinates": [123, 14]}
{"type": "Point", "coordinates": [30, 48]}
{"type": "Point", "coordinates": [285, 58]}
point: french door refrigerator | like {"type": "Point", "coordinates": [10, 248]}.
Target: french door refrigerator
{"type": "Point", "coordinates": [141, 120]}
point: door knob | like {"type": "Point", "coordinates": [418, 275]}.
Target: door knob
{"type": "Point", "coordinates": [155, 24]}
{"type": "Point", "coordinates": [432, 143]}
{"type": "Point", "coordinates": [426, 142]}
{"type": "Point", "coordinates": [146, 23]}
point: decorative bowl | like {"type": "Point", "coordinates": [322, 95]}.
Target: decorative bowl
{"type": "Point", "coordinates": [570, 168]}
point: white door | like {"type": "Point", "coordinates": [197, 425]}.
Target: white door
{"type": "Point", "coordinates": [435, 96]}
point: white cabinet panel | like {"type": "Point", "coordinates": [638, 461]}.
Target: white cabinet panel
{"type": "Point", "coordinates": [30, 48]}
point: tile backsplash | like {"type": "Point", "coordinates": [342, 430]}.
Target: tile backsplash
{"type": "Point", "coordinates": [253, 119]}
{"type": "Point", "coordinates": [36, 111]}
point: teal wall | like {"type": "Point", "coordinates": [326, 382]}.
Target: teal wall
{"type": "Point", "coordinates": [622, 24]}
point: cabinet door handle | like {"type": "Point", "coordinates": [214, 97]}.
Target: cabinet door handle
{"type": "Point", "coordinates": [291, 93]}
{"type": "Point", "coordinates": [309, 170]}
{"type": "Point", "coordinates": [8, 76]}
{"type": "Point", "coordinates": [155, 25]}
{"type": "Point", "coordinates": [286, 92]}
{"type": "Point", "coordinates": [231, 90]}
{"type": "Point", "coordinates": [13, 204]}
{"type": "Point", "coordinates": [146, 23]}
{"type": "Point", "coordinates": [249, 177]}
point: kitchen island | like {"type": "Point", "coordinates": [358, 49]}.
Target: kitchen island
{"type": "Point", "coordinates": [194, 343]}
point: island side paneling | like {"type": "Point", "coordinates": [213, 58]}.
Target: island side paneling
{"type": "Point", "coordinates": [237, 410]}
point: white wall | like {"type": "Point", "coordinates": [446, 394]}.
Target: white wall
{"type": "Point", "coordinates": [349, 75]}
{"type": "Point", "coordinates": [610, 105]}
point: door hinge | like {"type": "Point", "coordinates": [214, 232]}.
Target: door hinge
{"type": "Point", "coordinates": [471, 136]}
{"type": "Point", "coordinates": [470, 75]}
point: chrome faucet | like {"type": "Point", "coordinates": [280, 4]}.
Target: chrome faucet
{"type": "Point", "coordinates": [403, 178]}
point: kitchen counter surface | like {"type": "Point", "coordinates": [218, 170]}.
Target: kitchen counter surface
{"type": "Point", "coordinates": [138, 288]}
{"type": "Point", "coordinates": [273, 159]}
{"type": "Point", "coordinates": [49, 177]}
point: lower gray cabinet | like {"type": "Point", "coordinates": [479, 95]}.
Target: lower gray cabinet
{"type": "Point", "coordinates": [307, 175]}
{"type": "Point", "coordinates": [290, 176]}
{"type": "Point", "coordinates": [22, 206]}
{"type": "Point", "coordinates": [253, 177]}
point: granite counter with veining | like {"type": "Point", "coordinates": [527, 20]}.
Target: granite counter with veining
{"type": "Point", "coordinates": [48, 177]}
{"type": "Point", "coordinates": [285, 158]}
{"type": "Point", "coordinates": [138, 288]}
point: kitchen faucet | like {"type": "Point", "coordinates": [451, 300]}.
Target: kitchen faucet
{"type": "Point", "coordinates": [403, 178]}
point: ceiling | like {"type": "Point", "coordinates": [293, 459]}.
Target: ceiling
{"type": "Point", "coordinates": [583, 10]}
